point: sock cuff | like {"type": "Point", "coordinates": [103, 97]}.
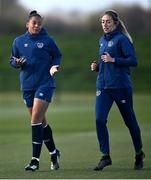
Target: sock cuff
{"type": "Point", "coordinates": [35, 158]}
{"type": "Point", "coordinates": [105, 154]}
{"type": "Point", "coordinates": [38, 124]}
{"type": "Point", "coordinates": [53, 152]}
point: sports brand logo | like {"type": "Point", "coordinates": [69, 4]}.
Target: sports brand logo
{"type": "Point", "coordinates": [123, 101]}
{"type": "Point", "coordinates": [25, 45]}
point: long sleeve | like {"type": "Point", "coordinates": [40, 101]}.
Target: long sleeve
{"type": "Point", "coordinates": [55, 53]}
{"type": "Point", "coordinates": [14, 54]}
{"type": "Point", "coordinates": [128, 57]}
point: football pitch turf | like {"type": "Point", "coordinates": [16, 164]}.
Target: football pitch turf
{"type": "Point", "coordinates": [73, 122]}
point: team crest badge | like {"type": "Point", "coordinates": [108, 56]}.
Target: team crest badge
{"type": "Point", "coordinates": [98, 92]}
{"type": "Point", "coordinates": [110, 43]}
{"type": "Point", "coordinates": [40, 45]}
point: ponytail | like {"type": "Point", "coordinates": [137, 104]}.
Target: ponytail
{"type": "Point", "coordinates": [123, 29]}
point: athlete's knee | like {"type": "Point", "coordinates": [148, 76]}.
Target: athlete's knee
{"type": "Point", "coordinates": [133, 126]}
{"type": "Point", "coordinates": [37, 117]}
{"type": "Point", "coordinates": [44, 122]}
{"type": "Point", "coordinates": [101, 122]}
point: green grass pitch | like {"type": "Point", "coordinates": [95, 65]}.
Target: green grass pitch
{"type": "Point", "coordinates": [73, 122]}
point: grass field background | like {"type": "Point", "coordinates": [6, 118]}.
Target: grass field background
{"type": "Point", "coordinates": [73, 121]}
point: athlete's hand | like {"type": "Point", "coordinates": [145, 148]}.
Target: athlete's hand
{"type": "Point", "coordinates": [94, 66]}
{"type": "Point", "coordinates": [54, 69]}
{"type": "Point", "coordinates": [107, 58]}
{"type": "Point", "coordinates": [20, 61]}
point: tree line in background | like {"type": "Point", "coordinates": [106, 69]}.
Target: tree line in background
{"type": "Point", "coordinates": [13, 18]}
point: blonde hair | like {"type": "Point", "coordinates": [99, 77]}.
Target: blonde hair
{"type": "Point", "coordinates": [113, 14]}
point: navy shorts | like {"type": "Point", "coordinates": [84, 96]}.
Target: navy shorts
{"type": "Point", "coordinates": [43, 93]}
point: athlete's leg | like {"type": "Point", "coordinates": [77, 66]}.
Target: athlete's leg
{"type": "Point", "coordinates": [37, 110]}
{"type": "Point", "coordinates": [48, 138]}
{"type": "Point", "coordinates": [47, 134]}
{"type": "Point", "coordinates": [125, 104]}
{"type": "Point", "coordinates": [37, 116]}
{"type": "Point", "coordinates": [36, 132]}
{"type": "Point", "coordinates": [103, 105]}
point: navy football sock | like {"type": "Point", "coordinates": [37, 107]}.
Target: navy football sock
{"type": "Point", "coordinates": [48, 138]}
{"type": "Point", "coordinates": [37, 137]}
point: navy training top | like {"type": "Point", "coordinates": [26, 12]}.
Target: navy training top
{"type": "Point", "coordinates": [115, 75]}
{"type": "Point", "coordinates": [41, 53]}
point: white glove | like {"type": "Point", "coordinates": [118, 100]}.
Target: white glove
{"type": "Point", "coordinates": [53, 69]}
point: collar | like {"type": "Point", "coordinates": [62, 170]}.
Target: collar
{"type": "Point", "coordinates": [109, 36]}
{"type": "Point", "coordinates": [34, 36]}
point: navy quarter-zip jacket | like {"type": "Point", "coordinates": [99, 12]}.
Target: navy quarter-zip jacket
{"type": "Point", "coordinates": [115, 75]}
{"type": "Point", "coordinates": [41, 53]}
